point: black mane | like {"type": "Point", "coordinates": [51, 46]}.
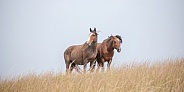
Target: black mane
{"type": "Point", "coordinates": [109, 38]}
{"type": "Point", "coordinates": [119, 37]}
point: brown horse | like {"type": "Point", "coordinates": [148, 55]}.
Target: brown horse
{"type": "Point", "coordinates": [82, 54]}
{"type": "Point", "coordinates": [106, 50]}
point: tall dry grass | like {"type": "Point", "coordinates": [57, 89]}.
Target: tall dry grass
{"type": "Point", "coordinates": [164, 77]}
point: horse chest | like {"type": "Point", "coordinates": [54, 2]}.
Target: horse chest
{"type": "Point", "coordinates": [91, 55]}
{"type": "Point", "coordinates": [107, 56]}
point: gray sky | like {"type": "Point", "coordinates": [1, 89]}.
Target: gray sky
{"type": "Point", "coordinates": [35, 33]}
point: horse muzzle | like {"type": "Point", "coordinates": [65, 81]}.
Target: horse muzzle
{"type": "Point", "coordinates": [118, 50]}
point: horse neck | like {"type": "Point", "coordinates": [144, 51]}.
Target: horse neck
{"type": "Point", "coordinates": [91, 47]}
{"type": "Point", "coordinates": [109, 45]}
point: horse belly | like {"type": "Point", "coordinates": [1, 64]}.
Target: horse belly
{"type": "Point", "coordinates": [79, 62]}
{"type": "Point", "coordinates": [76, 58]}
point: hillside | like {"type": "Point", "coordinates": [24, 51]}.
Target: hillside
{"type": "Point", "coordinates": [167, 76]}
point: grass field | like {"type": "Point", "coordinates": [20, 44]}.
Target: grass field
{"type": "Point", "coordinates": [167, 76]}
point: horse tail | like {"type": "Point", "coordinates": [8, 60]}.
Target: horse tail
{"type": "Point", "coordinates": [67, 55]}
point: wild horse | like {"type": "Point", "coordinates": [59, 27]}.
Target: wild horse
{"type": "Point", "coordinates": [82, 54]}
{"type": "Point", "coordinates": [106, 50]}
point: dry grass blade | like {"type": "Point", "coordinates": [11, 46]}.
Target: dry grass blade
{"type": "Point", "coordinates": [163, 77]}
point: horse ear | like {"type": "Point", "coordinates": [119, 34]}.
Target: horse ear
{"type": "Point", "coordinates": [95, 29]}
{"type": "Point", "coordinates": [90, 30]}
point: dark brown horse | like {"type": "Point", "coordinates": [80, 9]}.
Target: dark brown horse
{"type": "Point", "coordinates": [106, 50]}
{"type": "Point", "coordinates": [82, 54]}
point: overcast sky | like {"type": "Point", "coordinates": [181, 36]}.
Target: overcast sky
{"type": "Point", "coordinates": [35, 33]}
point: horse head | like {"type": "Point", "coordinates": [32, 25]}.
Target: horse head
{"type": "Point", "coordinates": [92, 36]}
{"type": "Point", "coordinates": [117, 40]}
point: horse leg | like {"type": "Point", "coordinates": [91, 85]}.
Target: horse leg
{"type": "Point", "coordinates": [85, 65]}
{"type": "Point", "coordinates": [108, 64]}
{"type": "Point", "coordinates": [102, 65]}
{"type": "Point", "coordinates": [92, 66]}
{"type": "Point", "coordinates": [67, 66]}
{"type": "Point", "coordinates": [77, 69]}
{"type": "Point", "coordinates": [72, 67]}
{"type": "Point", "coordinates": [98, 67]}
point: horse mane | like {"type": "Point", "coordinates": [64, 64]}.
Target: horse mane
{"type": "Point", "coordinates": [108, 39]}
{"type": "Point", "coordinates": [119, 37]}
